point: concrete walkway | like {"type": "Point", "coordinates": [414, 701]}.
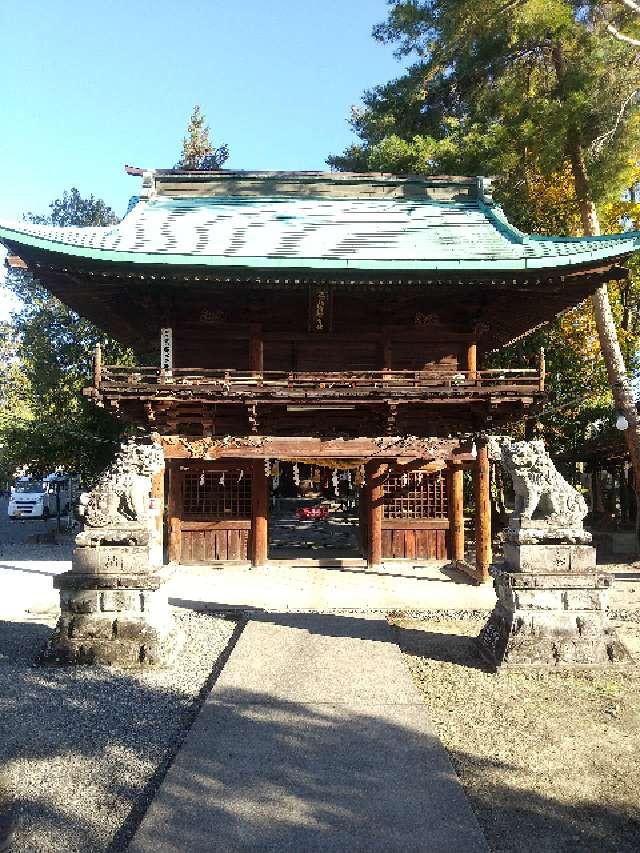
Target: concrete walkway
{"type": "Point", "coordinates": [330, 586]}
{"type": "Point", "coordinates": [313, 739]}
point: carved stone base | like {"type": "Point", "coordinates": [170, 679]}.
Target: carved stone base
{"type": "Point", "coordinates": [559, 557]}
{"type": "Point", "coordinates": [550, 620]}
{"type": "Point", "coordinates": [116, 619]}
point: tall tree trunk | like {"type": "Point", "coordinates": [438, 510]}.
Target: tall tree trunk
{"type": "Point", "coordinates": [609, 343]}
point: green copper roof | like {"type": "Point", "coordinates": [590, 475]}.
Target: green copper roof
{"type": "Point", "coordinates": [337, 233]}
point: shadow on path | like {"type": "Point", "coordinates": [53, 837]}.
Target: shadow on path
{"type": "Point", "coordinates": [10, 568]}
{"type": "Point", "coordinates": [290, 757]}
{"type": "Point", "coordinates": [455, 648]}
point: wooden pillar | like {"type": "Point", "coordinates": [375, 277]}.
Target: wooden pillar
{"type": "Point", "coordinates": [174, 510]}
{"type": "Point", "coordinates": [456, 512]}
{"type": "Point", "coordinates": [363, 515]}
{"type": "Point", "coordinates": [597, 505]}
{"type": "Point", "coordinates": [483, 512]}
{"type": "Point", "coordinates": [157, 510]}
{"type": "Point", "coordinates": [97, 367]}
{"type": "Point", "coordinates": [256, 350]}
{"type": "Point", "coordinates": [259, 514]}
{"type": "Point", "coordinates": [375, 473]}
{"type": "Point", "coordinates": [472, 358]}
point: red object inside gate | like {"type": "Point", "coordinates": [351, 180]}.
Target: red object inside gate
{"type": "Point", "coordinates": [307, 512]}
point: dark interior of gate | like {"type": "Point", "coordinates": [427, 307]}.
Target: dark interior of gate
{"type": "Point", "coordinates": [316, 512]}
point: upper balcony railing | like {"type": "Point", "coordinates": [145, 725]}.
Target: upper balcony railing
{"type": "Point", "coordinates": [293, 385]}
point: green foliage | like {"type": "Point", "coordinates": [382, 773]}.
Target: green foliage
{"type": "Point", "coordinates": [197, 149]}
{"type": "Point", "coordinates": [485, 97]}
{"type": "Point", "coordinates": [73, 210]}
{"type": "Point", "coordinates": [44, 419]}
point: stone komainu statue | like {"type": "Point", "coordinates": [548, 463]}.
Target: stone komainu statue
{"type": "Point", "coordinates": [121, 495]}
{"type": "Point", "coordinates": [540, 489]}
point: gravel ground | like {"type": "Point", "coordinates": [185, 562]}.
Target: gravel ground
{"type": "Point", "coordinates": [550, 762]}
{"type": "Point", "coordinates": [82, 749]}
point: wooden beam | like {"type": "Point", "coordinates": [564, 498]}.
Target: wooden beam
{"type": "Point", "coordinates": [174, 508]}
{"type": "Point", "coordinates": [375, 474]}
{"type": "Point", "coordinates": [482, 513]}
{"type": "Point", "coordinates": [301, 448]}
{"type": "Point", "coordinates": [13, 262]}
{"type": "Point", "coordinates": [456, 512]}
{"type": "Point", "coordinates": [259, 514]}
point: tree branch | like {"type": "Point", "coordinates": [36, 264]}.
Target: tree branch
{"type": "Point", "coordinates": [632, 5]}
{"type": "Point", "coordinates": [621, 36]}
{"type": "Point", "coordinates": [600, 141]}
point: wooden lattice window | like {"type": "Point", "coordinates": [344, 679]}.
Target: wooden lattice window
{"type": "Point", "coordinates": [415, 494]}
{"type": "Point", "coordinates": [217, 494]}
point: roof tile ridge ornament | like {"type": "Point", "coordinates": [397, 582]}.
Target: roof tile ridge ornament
{"type": "Point", "coordinates": [484, 190]}
{"type": "Point", "coordinates": [148, 188]}
{"type": "Point", "coordinates": [496, 215]}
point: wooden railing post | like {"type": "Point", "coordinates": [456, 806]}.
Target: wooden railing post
{"type": "Point", "coordinates": [472, 358]}
{"type": "Point", "coordinates": [387, 356]}
{"type": "Point", "coordinates": [97, 367]}
{"type": "Point", "coordinates": [541, 369]}
{"type": "Point", "coordinates": [256, 350]}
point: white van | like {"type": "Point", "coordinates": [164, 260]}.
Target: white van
{"type": "Point", "coordinates": [38, 498]}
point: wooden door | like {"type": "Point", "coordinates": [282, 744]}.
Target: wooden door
{"type": "Point", "coordinates": [415, 522]}
{"type": "Point", "coordinates": [214, 514]}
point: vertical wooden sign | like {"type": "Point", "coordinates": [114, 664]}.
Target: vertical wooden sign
{"type": "Point", "coordinates": [320, 308]}
{"type": "Point", "coordinates": [166, 349]}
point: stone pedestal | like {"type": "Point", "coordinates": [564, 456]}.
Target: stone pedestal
{"type": "Point", "coordinates": [552, 604]}
{"type": "Point", "coordinates": [114, 607]}
{"type": "Point", "coordinates": [552, 601]}
{"type": "Point", "coordinates": [550, 620]}
{"type": "Point", "coordinates": [115, 619]}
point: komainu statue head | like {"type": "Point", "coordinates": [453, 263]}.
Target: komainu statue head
{"type": "Point", "coordinates": [121, 495]}
{"type": "Point", "coordinates": [541, 492]}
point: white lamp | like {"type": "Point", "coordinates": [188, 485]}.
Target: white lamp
{"type": "Point", "coordinates": [621, 422]}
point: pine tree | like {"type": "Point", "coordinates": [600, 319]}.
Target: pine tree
{"type": "Point", "coordinates": [518, 89]}
{"type": "Point", "coordinates": [197, 149]}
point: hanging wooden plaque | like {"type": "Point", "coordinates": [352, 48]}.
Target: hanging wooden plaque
{"type": "Point", "coordinates": [166, 349]}
{"type": "Point", "coordinates": [320, 308]}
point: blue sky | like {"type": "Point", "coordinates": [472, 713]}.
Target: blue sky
{"type": "Point", "coordinates": [88, 87]}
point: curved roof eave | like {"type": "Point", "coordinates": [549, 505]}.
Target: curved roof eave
{"type": "Point", "coordinates": [605, 248]}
